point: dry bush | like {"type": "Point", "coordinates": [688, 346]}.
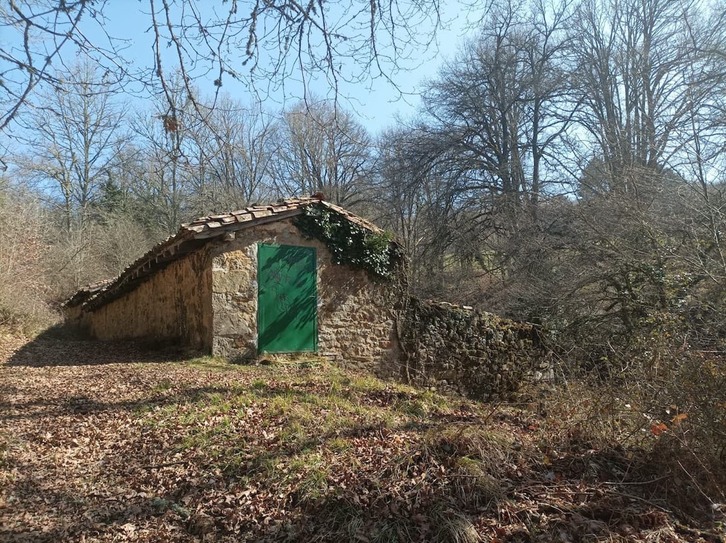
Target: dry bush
{"type": "Point", "coordinates": [71, 263]}
{"type": "Point", "coordinates": [633, 295]}
{"type": "Point", "coordinates": [42, 264]}
{"type": "Point", "coordinates": [680, 390]}
{"type": "Point", "coordinates": [23, 286]}
{"type": "Point", "coordinates": [668, 416]}
{"type": "Point", "coordinates": [691, 447]}
{"type": "Point", "coordinates": [120, 239]}
{"type": "Point", "coordinates": [97, 251]}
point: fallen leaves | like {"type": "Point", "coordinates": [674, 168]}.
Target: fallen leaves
{"type": "Point", "coordinates": [658, 428]}
{"type": "Point", "coordinates": [679, 418]}
{"type": "Point", "coordinates": [193, 452]}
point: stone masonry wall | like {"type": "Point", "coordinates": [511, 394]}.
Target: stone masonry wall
{"type": "Point", "coordinates": [172, 305]}
{"type": "Point", "coordinates": [473, 353]}
{"type": "Point", "coordinates": [355, 313]}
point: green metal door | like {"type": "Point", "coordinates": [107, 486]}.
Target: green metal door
{"type": "Point", "coordinates": [287, 299]}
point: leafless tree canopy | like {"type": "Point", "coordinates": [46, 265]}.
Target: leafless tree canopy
{"type": "Point", "coordinates": [253, 42]}
{"type": "Point", "coordinates": [322, 149]}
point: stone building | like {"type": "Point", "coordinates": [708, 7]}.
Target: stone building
{"type": "Point", "coordinates": [301, 275]}
{"type": "Point", "coordinates": [306, 276]}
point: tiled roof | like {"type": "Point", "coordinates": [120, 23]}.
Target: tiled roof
{"type": "Point", "coordinates": [84, 293]}
{"type": "Point", "coordinates": [192, 236]}
{"type": "Point", "coordinates": [282, 209]}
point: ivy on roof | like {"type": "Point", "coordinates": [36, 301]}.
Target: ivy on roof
{"type": "Point", "coordinates": [351, 243]}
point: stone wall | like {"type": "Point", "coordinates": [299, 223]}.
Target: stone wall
{"type": "Point", "coordinates": [172, 305]}
{"type": "Point", "coordinates": [467, 351]}
{"type": "Point", "coordinates": [356, 324]}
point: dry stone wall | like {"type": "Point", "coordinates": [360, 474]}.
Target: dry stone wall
{"type": "Point", "coordinates": [171, 305]}
{"type": "Point", "coordinates": [470, 352]}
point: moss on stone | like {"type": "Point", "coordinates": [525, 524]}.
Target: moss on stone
{"type": "Point", "coordinates": [474, 353]}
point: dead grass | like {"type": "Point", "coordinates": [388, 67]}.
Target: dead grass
{"type": "Point", "coordinates": [203, 450]}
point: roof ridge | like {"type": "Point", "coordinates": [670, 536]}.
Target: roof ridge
{"type": "Point", "coordinates": [256, 207]}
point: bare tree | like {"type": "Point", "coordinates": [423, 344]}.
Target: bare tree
{"type": "Point", "coordinates": [322, 149]}
{"type": "Point", "coordinates": [235, 155]}
{"type": "Point", "coordinates": [167, 150]}
{"type": "Point", "coordinates": [75, 134]}
{"type": "Point", "coordinates": [401, 202]}
{"type": "Point", "coordinates": [495, 112]}
{"type": "Point", "coordinates": [23, 285]}
{"type": "Point", "coordinates": [486, 149]}
{"type": "Point", "coordinates": [643, 73]}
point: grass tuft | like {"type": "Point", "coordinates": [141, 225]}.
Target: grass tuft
{"type": "Point", "coordinates": [454, 527]}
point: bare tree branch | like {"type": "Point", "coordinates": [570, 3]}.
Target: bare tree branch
{"type": "Point", "coordinates": [258, 43]}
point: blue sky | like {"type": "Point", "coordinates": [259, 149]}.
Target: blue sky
{"type": "Point", "coordinates": [376, 102]}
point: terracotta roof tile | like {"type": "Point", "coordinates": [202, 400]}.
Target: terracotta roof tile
{"type": "Point", "coordinates": [85, 292]}
{"type": "Point", "coordinates": [259, 213]}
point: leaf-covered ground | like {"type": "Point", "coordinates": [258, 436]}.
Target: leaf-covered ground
{"type": "Point", "coordinates": [99, 442]}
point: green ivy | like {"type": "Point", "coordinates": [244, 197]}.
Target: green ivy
{"type": "Point", "coordinates": [350, 243]}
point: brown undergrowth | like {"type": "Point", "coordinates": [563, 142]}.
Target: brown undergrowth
{"type": "Point", "coordinates": [199, 450]}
